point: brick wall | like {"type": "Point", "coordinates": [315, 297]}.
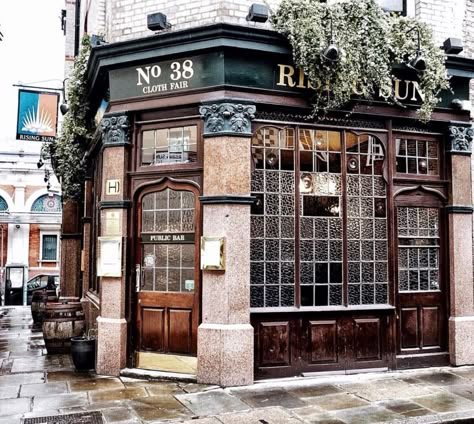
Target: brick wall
{"type": "Point", "coordinates": [33, 254]}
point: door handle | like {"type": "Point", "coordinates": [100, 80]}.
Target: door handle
{"type": "Point", "coordinates": [137, 277]}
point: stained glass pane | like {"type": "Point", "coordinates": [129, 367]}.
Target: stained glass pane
{"type": "Point", "coordinates": [45, 203]}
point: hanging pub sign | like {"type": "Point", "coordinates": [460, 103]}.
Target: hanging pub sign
{"type": "Point", "coordinates": [37, 115]}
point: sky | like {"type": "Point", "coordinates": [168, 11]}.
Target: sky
{"type": "Point", "coordinates": [32, 53]}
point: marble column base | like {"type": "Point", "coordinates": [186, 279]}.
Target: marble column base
{"type": "Point", "coordinates": [461, 340]}
{"type": "Point", "coordinates": [111, 346]}
{"type": "Point", "coordinates": [225, 354]}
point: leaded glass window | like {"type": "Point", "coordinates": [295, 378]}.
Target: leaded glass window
{"type": "Point", "coordinates": [340, 202]}
{"type": "Point", "coordinates": [418, 249]}
{"type": "Point", "coordinates": [272, 268]}
{"type": "Point", "coordinates": [47, 203]}
{"type": "Point", "coordinates": [169, 145]}
{"type": "Point", "coordinates": [167, 230]}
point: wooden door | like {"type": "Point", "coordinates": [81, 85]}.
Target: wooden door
{"type": "Point", "coordinates": [167, 272]}
{"type": "Point", "coordinates": [421, 291]}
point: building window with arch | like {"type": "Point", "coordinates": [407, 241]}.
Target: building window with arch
{"type": "Point", "coordinates": [47, 203]}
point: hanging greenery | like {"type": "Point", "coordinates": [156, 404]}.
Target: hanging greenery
{"type": "Point", "coordinates": [67, 152]}
{"type": "Point", "coordinates": [370, 43]}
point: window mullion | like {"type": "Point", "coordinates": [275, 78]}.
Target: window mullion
{"type": "Point", "coordinates": [297, 218]}
{"type": "Point", "coordinates": [345, 289]}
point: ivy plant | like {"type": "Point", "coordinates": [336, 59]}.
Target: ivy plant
{"type": "Point", "coordinates": [67, 152]}
{"type": "Point", "coordinates": [370, 44]}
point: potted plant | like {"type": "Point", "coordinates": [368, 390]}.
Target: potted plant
{"type": "Point", "coordinates": [83, 350]}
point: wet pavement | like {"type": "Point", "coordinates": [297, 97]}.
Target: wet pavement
{"type": "Point", "coordinates": [34, 384]}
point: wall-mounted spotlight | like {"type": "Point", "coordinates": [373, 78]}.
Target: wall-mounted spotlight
{"type": "Point", "coordinates": [258, 13]}
{"type": "Point", "coordinates": [157, 22]}
{"type": "Point", "coordinates": [418, 63]}
{"type": "Point", "coordinates": [453, 45]}
{"type": "Point", "coordinates": [331, 52]}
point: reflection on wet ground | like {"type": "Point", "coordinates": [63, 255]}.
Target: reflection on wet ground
{"type": "Point", "coordinates": [35, 384]}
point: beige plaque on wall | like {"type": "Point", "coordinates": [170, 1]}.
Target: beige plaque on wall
{"type": "Point", "coordinates": [112, 223]}
{"type": "Point", "coordinates": [112, 187]}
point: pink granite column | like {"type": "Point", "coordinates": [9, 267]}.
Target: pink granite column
{"type": "Point", "coordinates": [114, 206]}
{"type": "Point", "coordinates": [225, 336]}
{"type": "Point", "coordinates": [461, 320]}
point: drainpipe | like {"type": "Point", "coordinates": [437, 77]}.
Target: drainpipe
{"type": "Point", "coordinates": [77, 25]}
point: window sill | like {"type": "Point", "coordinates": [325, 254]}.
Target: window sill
{"type": "Point", "coordinates": [351, 308]}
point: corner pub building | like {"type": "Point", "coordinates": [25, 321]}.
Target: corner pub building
{"type": "Point", "coordinates": [346, 240]}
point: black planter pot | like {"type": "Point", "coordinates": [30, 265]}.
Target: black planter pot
{"type": "Point", "coordinates": [83, 353]}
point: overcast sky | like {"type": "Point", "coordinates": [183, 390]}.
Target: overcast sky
{"type": "Point", "coordinates": [32, 52]}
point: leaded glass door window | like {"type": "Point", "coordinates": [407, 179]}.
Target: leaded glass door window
{"type": "Point", "coordinates": [319, 225]}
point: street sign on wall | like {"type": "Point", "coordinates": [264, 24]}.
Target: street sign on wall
{"type": "Point", "coordinates": [37, 115]}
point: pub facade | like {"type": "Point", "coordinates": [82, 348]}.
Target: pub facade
{"type": "Point", "coordinates": [229, 232]}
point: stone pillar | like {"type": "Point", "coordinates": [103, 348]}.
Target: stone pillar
{"type": "Point", "coordinates": [225, 336]}
{"type": "Point", "coordinates": [461, 320]}
{"type": "Point", "coordinates": [114, 205]}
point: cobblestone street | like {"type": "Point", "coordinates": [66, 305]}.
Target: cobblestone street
{"type": "Point", "coordinates": [34, 384]}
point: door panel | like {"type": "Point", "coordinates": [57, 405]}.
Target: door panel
{"type": "Point", "coordinates": [431, 335]}
{"type": "Point", "coordinates": [367, 339]}
{"type": "Point", "coordinates": [409, 328]}
{"type": "Point", "coordinates": [318, 341]}
{"type": "Point", "coordinates": [274, 341]}
{"type": "Point", "coordinates": [167, 275]}
{"type": "Point", "coordinates": [323, 336]}
{"type": "Point", "coordinates": [180, 330]}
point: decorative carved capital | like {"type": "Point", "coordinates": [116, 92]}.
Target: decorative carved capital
{"type": "Point", "coordinates": [115, 128]}
{"type": "Point", "coordinates": [460, 139]}
{"type": "Point", "coordinates": [227, 118]}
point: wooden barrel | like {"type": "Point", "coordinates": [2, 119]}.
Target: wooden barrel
{"type": "Point", "coordinates": [38, 303]}
{"type": "Point", "coordinates": [61, 321]}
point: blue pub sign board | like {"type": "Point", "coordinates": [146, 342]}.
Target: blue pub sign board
{"type": "Point", "coordinates": [37, 115]}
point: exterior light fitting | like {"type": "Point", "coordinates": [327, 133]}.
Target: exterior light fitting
{"type": "Point", "coordinates": [157, 22]}
{"type": "Point", "coordinates": [258, 13]}
{"type": "Point", "coordinates": [453, 45]}
{"type": "Point", "coordinates": [64, 108]}
{"type": "Point", "coordinates": [331, 52]}
{"type": "Point", "coordinates": [40, 163]}
{"type": "Point", "coordinates": [418, 63]}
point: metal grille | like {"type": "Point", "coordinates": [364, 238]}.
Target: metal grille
{"type": "Point", "coordinates": [94, 417]}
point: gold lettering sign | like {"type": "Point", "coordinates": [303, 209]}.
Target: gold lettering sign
{"type": "Point", "coordinates": [289, 76]}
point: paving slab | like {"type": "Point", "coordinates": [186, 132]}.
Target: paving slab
{"type": "Point", "coordinates": [440, 379]}
{"type": "Point", "coordinates": [464, 390]}
{"type": "Point", "coordinates": [149, 409]}
{"type": "Point", "coordinates": [213, 402]}
{"type": "Point", "coordinates": [68, 376]}
{"type": "Point", "coordinates": [14, 406]}
{"type": "Point", "coordinates": [7, 392]}
{"type": "Point", "coordinates": [273, 415]}
{"type": "Point", "coordinates": [277, 397]}
{"type": "Point", "coordinates": [118, 415]}
{"type": "Point", "coordinates": [445, 402]}
{"type": "Point", "coordinates": [385, 389]}
{"type": "Point", "coordinates": [313, 391]}
{"type": "Point", "coordinates": [59, 401]}
{"type": "Point", "coordinates": [23, 378]}
{"type": "Point", "coordinates": [105, 383]}
{"type": "Point", "coordinates": [11, 419]}
{"type": "Point", "coordinates": [338, 401]}
{"type": "Point", "coordinates": [29, 390]}
{"type": "Point", "coordinates": [367, 415]}
{"type": "Point", "coordinates": [117, 394]}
